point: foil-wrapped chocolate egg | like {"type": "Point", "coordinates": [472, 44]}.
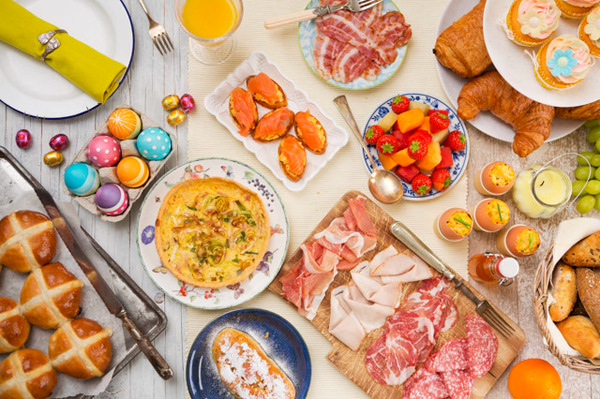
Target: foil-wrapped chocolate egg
{"type": "Point", "coordinates": [187, 103]}
{"type": "Point", "coordinates": [81, 179]}
{"type": "Point", "coordinates": [170, 102]}
{"type": "Point", "coordinates": [23, 139]}
{"type": "Point", "coordinates": [111, 199]}
{"type": "Point", "coordinates": [53, 158]}
{"type": "Point", "coordinates": [59, 142]}
{"type": "Point", "coordinates": [175, 117]}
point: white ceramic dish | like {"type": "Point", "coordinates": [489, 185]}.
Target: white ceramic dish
{"type": "Point", "coordinates": [217, 103]}
{"type": "Point", "coordinates": [516, 66]}
{"type": "Point", "coordinates": [452, 84]}
{"type": "Point", "coordinates": [32, 88]}
{"type": "Point", "coordinates": [233, 295]}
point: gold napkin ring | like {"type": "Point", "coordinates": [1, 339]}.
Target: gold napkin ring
{"type": "Point", "coordinates": [50, 41]}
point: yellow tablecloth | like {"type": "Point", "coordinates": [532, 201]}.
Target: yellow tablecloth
{"type": "Point", "coordinates": [206, 138]}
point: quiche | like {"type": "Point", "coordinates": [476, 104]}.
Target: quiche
{"type": "Point", "coordinates": [211, 232]}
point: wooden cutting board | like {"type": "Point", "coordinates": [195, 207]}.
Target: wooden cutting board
{"type": "Point", "coordinates": [351, 363]}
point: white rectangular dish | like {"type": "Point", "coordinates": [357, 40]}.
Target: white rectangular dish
{"type": "Point", "coordinates": [217, 103]}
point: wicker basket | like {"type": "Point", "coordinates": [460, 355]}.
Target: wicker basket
{"type": "Point", "coordinates": [541, 284]}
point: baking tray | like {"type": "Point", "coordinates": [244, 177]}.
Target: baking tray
{"type": "Point", "coordinates": [15, 181]}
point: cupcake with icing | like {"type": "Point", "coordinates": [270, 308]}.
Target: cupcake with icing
{"type": "Point", "coordinates": [575, 8]}
{"type": "Point", "coordinates": [563, 62]}
{"type": "Point", "coordinates": [589, 31]}
{"type": "Point", "coordinates": [531, 22]}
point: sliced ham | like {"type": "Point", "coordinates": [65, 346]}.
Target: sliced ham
{"type": "Point", "coordinates": [343, 323]}
{"type": "Point", "coordinates": [372, 315]}
{"type": "Point", "coordinates": [402, 268]}
{"type": "Point", "coordinates": [382, 256]}
{"type": "Point", "coordinates": [482, 345]}
{"type": "Point", "coordinates": [363, 220]}
{"type": "Point", "coordinates": [374, 290]}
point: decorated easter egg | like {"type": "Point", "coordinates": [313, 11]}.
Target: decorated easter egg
{"type": "Point", "coordinates": [187, 103]}
{"type": "Point", "coordinates": [59, 142]}
{"type": "Point", "coordinates": [104, 151]}
{"type": "Point", "coordinates": [175, 117]}
{"type": "Point", "coordinates": [124, 124]}
{"type": "Point", "coordinates": [170, 102]}
{"type": "Point", "coordinates": [154, 144]}
{"type": "Point", "coordinates": [133, 172]}
{"type": "Point", "coordinates": [111, 199]}
{"type": "Point", "coordinates": [81, 179]}
{"type": "Point", "coordinates": [53, 158]}
{"type": "Point", "coordinates": [23, 139]}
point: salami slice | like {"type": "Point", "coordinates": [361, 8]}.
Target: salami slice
{"type": "Point", "coordinates": [482, 345]}
{"type": "Point", "coordinates": [452, 356]}
{"type": "Point", "coordinates": [458, 383]}
{"type": "Point", "coordinates": [425, 385]}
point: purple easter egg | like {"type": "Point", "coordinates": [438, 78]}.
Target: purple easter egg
{"type": "Point", "coordinates": [111, 199]}
{"type": "Point", "coordinates": [187, 103]}
{"type": "Point", "coordinates": [104, 151]}
{"type": "Point", "coordinates": [23, 139]}
{"type": "Point", "coordinates": [59, 142]}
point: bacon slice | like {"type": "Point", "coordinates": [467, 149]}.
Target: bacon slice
{"type": "Point", "coordinates": [325, 52]}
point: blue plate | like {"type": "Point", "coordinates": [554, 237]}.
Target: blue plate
{"type": "Point", "coordinates": [307, 32]}
{"type": "Point", "coordinates": [460, 158]}
{"type": "Point", "coordinates": [278, 338]}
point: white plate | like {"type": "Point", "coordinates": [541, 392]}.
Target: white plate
{"type": "Point", "coordinates": [229, 296]}
{"type": "Point", "coordinates": [217, 103]}
{"type": "Point", "coordinates": [452, 84]}
{"type": "Point", "coordinates": [516, 66]}
{"type": "Point", "coordinates": [32, 88]}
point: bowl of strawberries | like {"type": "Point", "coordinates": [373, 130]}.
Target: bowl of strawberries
{"type": "Point", "coordinates": [422, 140]}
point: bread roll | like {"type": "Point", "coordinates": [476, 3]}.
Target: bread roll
{"type": "Point", "coordinates": [27, 241]}
{"type": "Point", "coordinates": [14, 329]}
{"type": "Point", "coordinates": [26, 374]}
{"type": "Point", "coordinates": [81, 349]}
{"type": "Point", "coordinates": [50, 296]}
{"type": "Point", "coordinates": [585, 253]}
{"type": "Point", "coordinates": [564, 292]}
{"type": "Point", "coordinates": [581, 335]}
{"type": "Point", "coordinates": [588, 285]}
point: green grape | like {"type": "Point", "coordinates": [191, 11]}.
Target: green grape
{"type": "Point", "coordinates": [587, 155]}
{"type": "Point", "coordinates": [583, 172]}
{"type": "Point", "coordinates": [597, 174]}
{"type": "Point", "coordinates": [594, 134]}
{"type": "Point", "coordinates": [578, 186]}
{"type": "Point", "coordinates": [593, 187]}
{"type": "Point", "coordinates": [597, 206]}
{"type": "Point", "coordinates": [592, 124]}
{"type": "Point", "coordinates": [586, 204]}
{"type": "Point", "coordinates": [595, 161]}
{"type": "Point", "coordinates": [597, 146]}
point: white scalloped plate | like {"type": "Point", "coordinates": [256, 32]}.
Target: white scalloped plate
{"type": "Point", "coordinates": [217, 103]}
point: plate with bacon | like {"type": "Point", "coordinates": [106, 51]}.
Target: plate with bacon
{"type": "Point", "coordinates": [355, 51]}
{"type": "Point", "coordinates": [397, 327]}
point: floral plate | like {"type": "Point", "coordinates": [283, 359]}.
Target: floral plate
{"type": "Point", "coordinates": [460, 158]}
{"type": "Point", "coordinates": [307, 32]}
{"type": "Point", "coordinates": [232, 295]}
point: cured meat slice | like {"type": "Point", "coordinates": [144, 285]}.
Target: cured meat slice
{"type": "Point", "coordinates": [391, 359]}
{"type": "Point", "coordinates": [363, 220]}
{"type": "Point", "coordinates": [458, 383]}
{"type": "Point", "coordinates": [482, 345]}
{"type": "Point", "coordinates": [434, 285]}
{"type": "Point", "coordinates": [325, 52]}
{"type": "Point", "coordinates": [452, 316]}
{"type": "Point", "coordinates": [452, 356]}
{"type": "Point", "coordinates": [371, 15]}
{"type": "Point", "coordinates": [373, 290]}
{"type": "Point", "coordinates": [347, 27]}
{"type": "Point", "coordinates": [343, 323]}
{"type": "Point", "coordinates": [291, 285]}
{"type": "Point", "coordinates": [372, 315]}
{"type": "Point", "coordinates": [349, 64]}
{"type": "Point", "coordinates": [417, 329]}
{"type": "Point", "coordinates": [432, 307]}
{"type": "Point", "coordinates": [350, 219]}
{"type": "Point", "coordinates": [425, 385]}
{"type": "Point", "coordinates": [337, 233]}
{"type": "Point", "coordinates": [391, 31]}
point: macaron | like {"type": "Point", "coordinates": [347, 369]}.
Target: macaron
{"type": "Point", "coordinates": [124, 124]}
{"type": "Point", "coordinates": [81, 179]}
{"type": "Point", "coordinates": [104, 151]}
{"type": "Point", "coordinates": [111, 199]}
{"type": "Point", "coordinates": [133, 172]}
{"type": "Point", "coordinates": [154, 144]}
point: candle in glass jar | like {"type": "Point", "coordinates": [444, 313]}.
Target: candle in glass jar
{"type": "Point", "coordinates": [541, 192]}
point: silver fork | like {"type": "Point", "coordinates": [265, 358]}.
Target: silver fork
{"type": "Point", "coordinates": [157, 32]}
{"type": "Point", "coordinates": [483, 308]}
{"type": "Point", "coordinates": [351, 5]}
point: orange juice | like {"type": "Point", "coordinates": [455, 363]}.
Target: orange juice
{"type": "Point", "coordinates": [209, 19]}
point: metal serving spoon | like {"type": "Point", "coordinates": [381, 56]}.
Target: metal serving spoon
{"type": "Point", "coordinates": [385, 186]}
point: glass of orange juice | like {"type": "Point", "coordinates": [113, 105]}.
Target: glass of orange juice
{"type": "Point", "coordinates": [210, 25]}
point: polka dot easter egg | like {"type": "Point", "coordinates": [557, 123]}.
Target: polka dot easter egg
{"type": "Point", "coordinates": [104, 151]}
{"type": "Point", "coordinates": [111, 199]}
{"type": "Point", "coordinates": [154, 144]}
{"type": "Point", "coordinates": [133, 172]}
{"type": "Point", "coordinates": [124, 124]}
{"type": "Point", "coordinates": [81, 179]}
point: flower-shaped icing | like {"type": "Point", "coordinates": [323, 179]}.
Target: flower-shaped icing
{"type": "Point", "coordinates": [562, 63]}
{"type": "Point", "coordinates": [592, 28]}
{"type": "Point", "coordinates": [538, 18]}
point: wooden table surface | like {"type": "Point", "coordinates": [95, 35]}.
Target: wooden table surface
{"type": "Point", "coordinates": [153, 76]}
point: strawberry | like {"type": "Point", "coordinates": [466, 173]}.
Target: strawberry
{"type": "Point", "coordinates": [437, 111]}
{"type": "Point", "coordinates": [447, 160]}
{"type": "Point", "coordinates": [456, 140]}
{"type": "Point", "coordinates": [438, 122]}
{"type": "Point", "coordinates": [373, 134]}
{"type": "Point", "coordinates": [407, 173]}
{"type": "Point", "coordinates": [421, 134]}
{"type": "Point", "coordinates": [387, 145]}
{"type": "Point", "coordinates": [441, 179]}
{"type": "Point", "coordinates": [417, 149]}
{"type": "Point", "coordinates": [402, 139]}
{"type": "Point", "coordinates": [400, 104]}
{"type": "Point", "coordinates": [421, 184]}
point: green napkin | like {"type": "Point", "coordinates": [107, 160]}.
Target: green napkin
{"type": "Point", "coordinates": [91, 71]}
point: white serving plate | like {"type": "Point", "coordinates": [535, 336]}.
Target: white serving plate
{"type": "Point", "coordinates": [32, 88]}
{"type": "Point", "coordinates": [217, 103]}
{"type": "Point", "coordinates": [452, 84]}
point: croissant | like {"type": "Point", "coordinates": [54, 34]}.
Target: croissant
{"type": "Point", "coordinates": [586, 112]}
{"type": "Point", "coordinates": [531, 120]}
{"type": "Point", "coordinates": [461, 46]}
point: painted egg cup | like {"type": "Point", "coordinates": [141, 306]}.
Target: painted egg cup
{"type": "Point", "coordinates": [109, 174]}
